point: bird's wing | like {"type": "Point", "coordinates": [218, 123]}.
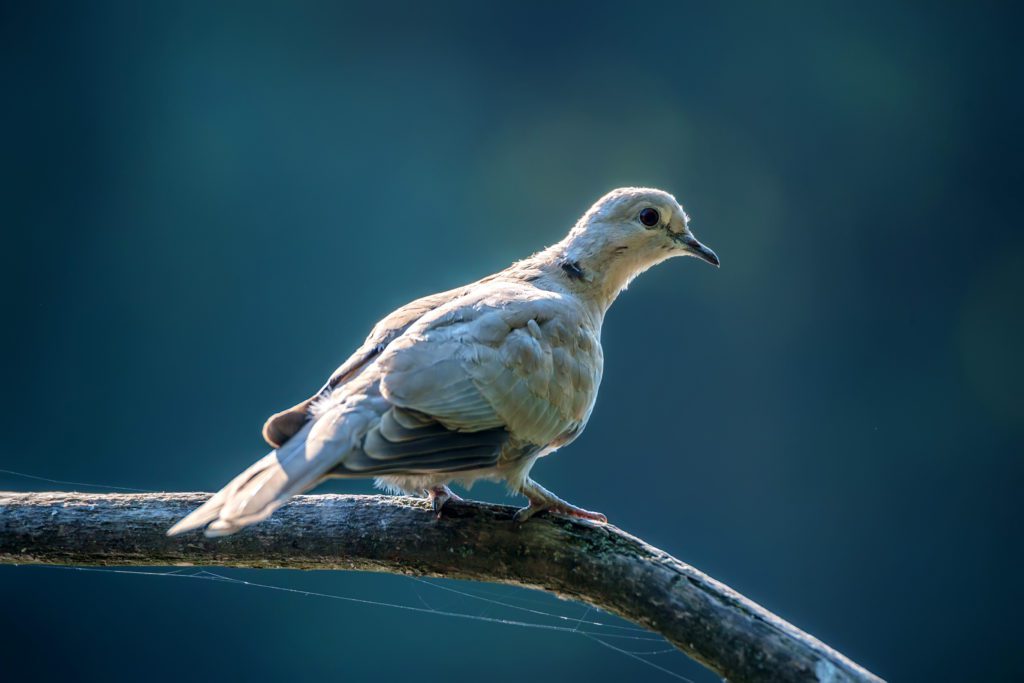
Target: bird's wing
{"type": "Point", "coordinates": [504, 356]}
{"type": "Point", "coordinates": [281, 426]}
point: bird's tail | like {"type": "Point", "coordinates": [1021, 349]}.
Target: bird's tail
{"type": "Point", "coordinates": [252, 496]}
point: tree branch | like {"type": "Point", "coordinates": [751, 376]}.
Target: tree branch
{"type": "Point", "coordinates": [599, 565]}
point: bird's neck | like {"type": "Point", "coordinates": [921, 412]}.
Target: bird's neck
{"type": "Point", "coordinates": [594, 272]}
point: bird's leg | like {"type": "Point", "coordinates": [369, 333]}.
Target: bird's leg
{"type": "Point", "coordinates": [439, 495]}
{"type": "Point", "coordinates": [541, 499]}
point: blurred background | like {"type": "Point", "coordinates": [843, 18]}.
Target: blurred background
{"type": "Point", "coordinates": [205, 207]}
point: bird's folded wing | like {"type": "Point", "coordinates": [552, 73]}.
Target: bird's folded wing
{"type": "Point", "coordinates": [505, 356]}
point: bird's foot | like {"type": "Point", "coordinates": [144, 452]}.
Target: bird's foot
{"type": "Point", "coordinates": [559, 508]}
{"type": "Point", "coordinates": [541, 499]}
{"type": "Point", "coordinates": [439, 495]}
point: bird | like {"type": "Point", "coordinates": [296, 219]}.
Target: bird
{"type": "Point", "coordinates": [474, 383]}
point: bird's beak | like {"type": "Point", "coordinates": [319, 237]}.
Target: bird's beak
{"type": "Point", "coordinates": [695, 248]}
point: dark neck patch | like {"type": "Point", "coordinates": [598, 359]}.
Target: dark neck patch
{"type": "Point", "coordinates": [572, 269]}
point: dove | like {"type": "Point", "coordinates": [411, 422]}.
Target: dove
{"type": "Point", "coordinates": [476, 383]}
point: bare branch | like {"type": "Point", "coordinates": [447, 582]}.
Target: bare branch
{"type": "Point", "coordinates": [599, 565]}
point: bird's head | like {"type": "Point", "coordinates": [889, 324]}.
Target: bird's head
{"type": "Point", "coordinates": [626, 232]}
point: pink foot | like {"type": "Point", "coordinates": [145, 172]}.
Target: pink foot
{"type": "Point", "coordinates": [562, 508]}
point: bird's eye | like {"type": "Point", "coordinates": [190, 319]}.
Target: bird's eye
{"type": "Point", "coordinates": [650, 217]}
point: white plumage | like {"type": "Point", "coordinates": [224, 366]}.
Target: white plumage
{"type": "Point", "coordinates": [474, 383]}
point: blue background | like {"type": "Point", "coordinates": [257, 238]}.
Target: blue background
{"type": "Point", "coordinates": [205, 207]}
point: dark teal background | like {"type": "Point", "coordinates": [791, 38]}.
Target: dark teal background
{"type": "Point", "coordinates": [205, 207]}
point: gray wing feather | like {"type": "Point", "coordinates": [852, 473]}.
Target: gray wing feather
{"type": "Point", "coordinates": [406, 441]}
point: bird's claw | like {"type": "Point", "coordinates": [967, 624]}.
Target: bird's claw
{"type": "Point", "coordinates": [439, 496]}
{"type": "Point", "coordinates": [523, 514]}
